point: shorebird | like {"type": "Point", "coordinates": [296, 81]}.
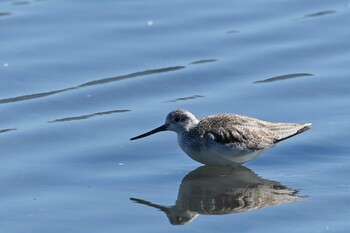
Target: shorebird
{"type": "Point", "coordinates": [225, 139]}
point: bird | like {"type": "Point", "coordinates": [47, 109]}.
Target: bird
{"type": "Point", "coordinates": [225, 139]}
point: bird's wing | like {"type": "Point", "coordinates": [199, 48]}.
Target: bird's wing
{"type": "Point", "coordinates": [287, 130]}
{"type": "Point", "coordinates": [238, 130]}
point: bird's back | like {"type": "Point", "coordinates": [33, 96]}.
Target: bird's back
{"type": "Point", "coordinates": [247, 132]}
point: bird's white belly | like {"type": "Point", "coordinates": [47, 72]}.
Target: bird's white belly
{"type": "Point", "coordinates": [218, 155]}
{"type": "Point", "coordinates": [229, 158]}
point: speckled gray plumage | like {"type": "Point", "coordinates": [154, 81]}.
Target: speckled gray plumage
{"type": "Point", "coordinates": [246, 132]}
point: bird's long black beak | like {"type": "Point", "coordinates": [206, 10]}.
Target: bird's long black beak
{"type": "Point", "coordinates": [159, 129]}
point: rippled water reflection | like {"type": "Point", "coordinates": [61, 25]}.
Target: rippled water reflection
{"type": "Point", "coordinates": [222, 190]}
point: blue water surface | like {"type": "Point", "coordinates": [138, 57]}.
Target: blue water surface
{"type": "Point", "coordinates": [79, 78]}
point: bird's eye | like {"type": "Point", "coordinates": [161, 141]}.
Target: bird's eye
{"type": "Point", "coordinates": [177, 119]}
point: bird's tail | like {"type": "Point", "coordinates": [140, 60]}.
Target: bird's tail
{"type": "Point", "coordinates": [285, 131]}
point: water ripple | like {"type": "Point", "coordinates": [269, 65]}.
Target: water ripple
{"type": "Point", "coordinates": [91, 83]}
{"type": "Point", "coordinates": [203, 61]}
{"type": "Point", "coordinates": [5, 14]}
{"type": "Point", "coordinates": [21, 3]}
{"type": "Point", "coordinates": [132, 75]}
{"type": "Point", "coordinates": [320, 13]}
{"type": "Point", "coordinates": [232, 32]}
{"type": "Point", "coordinates": [283, 77]}
{"type": "Point", "coordinates": [7, 130]}
{"type": "Point", "coordinates": [82, 117]}
{"type": "Point", "coordinates": [33, 96]}
{"type": "Point", "coordinates": [184, 98]}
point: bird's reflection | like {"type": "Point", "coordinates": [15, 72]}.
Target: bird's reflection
{"type": "Point", "coordinates": [222, 190]}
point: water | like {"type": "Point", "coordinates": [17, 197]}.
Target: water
{"type": "Point", "coordinates": [79, 78]}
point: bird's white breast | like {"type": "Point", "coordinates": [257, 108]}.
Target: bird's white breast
{"type": "Point", "coordinates": [215, 153]}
